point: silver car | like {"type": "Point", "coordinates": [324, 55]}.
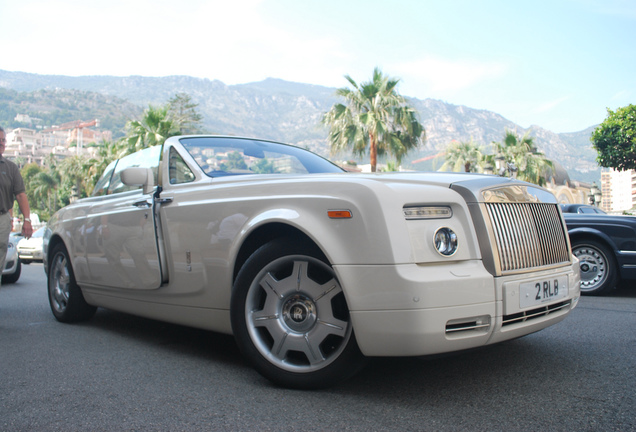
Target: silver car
{"type": "Point", "coordinates": [12, 265]}
{"type": "Point", "coordinates": [31, 249]}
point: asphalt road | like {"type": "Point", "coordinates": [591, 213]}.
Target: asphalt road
{"type": "Point", "coordinates": [123, 373]}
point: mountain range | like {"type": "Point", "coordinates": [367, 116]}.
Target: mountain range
{"type": "Point", "coordinates": [270, 109]}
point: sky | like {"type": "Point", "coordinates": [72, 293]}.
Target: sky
{"type": "Point", "coordinates": [558, 64]}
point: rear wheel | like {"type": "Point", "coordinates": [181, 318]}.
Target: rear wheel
{"type": "Point", "coordinates": [599, 272]}
{"type": "Point", "coordinates": [65, 296]}
{"type": "Point", "coordinates": [291, 320]}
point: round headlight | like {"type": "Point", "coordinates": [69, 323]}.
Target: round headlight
{"type": "Point", "coordinates": [445, 241]}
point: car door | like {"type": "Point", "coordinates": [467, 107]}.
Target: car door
{"type": "Point", "coordinates": [121, 245]}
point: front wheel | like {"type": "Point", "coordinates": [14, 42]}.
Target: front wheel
{"type": "Point", "coordinates": [599, 272]}
{"type": "Point", "coordinates": [291, 320]}
{"type": "Point", "coordinates": [13, 278]}
{"type": "Point", "coordinates": [65, 296]}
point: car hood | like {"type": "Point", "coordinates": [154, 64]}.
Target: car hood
{"type": "Point", "coordinates": [473, 187]}
{"type": "Point", "coordinates": [31, 242]}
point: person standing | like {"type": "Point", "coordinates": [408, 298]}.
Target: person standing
{"type": "Point", "coordinates": [11, 187]}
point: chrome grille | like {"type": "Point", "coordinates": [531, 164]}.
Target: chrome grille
{"type": "Point", "coordinates": [528, 235]}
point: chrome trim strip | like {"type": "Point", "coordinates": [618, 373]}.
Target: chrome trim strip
{"type": "Point", "coordinates": [472, 326]}
{"type": "Point", "coordinates": [535, 313]}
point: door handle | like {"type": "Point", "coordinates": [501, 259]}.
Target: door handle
{"type": "Point", "coordinates": [142, 204]}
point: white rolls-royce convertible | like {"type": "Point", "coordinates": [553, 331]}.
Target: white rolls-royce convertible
{"type": "Point", "coordinates": [311, 268]}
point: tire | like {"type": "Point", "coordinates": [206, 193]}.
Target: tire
{"type": "Point", "coordinates": [65, 296]}
{"type": "Point", "coordinates": [13, 278]}
{"type": "Point", "coordinates": [290, 318]}
{"type": "Point", "coordinates": [26, 261]}
{"type": "Point", "coordinates": [599, 271]}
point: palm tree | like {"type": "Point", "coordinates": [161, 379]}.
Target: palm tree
{"type": "Point", "coordinates": [43, 185]}
{"type": "Point", "coordinates": [154, 128]}
{"type": "Point", "coordinates": [464, 156]}
{"type": "Point", "coordinates": [75, 170]}
{"type": "Point", "coordinates": [106, 153]}
{"type": "Point", "coordinates": [29, 172]}
{"type": "Point", "coordinates": [373, 116]}
{"type": "Point", "coordinates": [530, 164]}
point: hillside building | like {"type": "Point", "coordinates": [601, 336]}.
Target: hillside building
{"type": "Point", "coordinates": [73, 138]}
{"type": "Point", "coordinates": [22, 142]}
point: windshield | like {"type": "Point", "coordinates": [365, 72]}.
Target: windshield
{"type": "Point", "coordinates": [222, 156]}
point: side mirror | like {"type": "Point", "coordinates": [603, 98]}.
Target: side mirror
{"type": "Point", "coordinates": [139, 176]}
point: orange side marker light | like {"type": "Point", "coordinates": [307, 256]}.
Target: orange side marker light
{"type": "Point", "coordinates": [339, 214]}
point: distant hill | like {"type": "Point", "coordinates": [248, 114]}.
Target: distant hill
{"type": "Point", "coordinates": [58, 106]}
{"type": "Point", "coordinates": [274, 109]}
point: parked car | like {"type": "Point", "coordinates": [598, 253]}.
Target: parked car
{"type": "Point", "coordinates": [309, 267]}
{"type": "Point", "coordinates": [15, 237]}
{"type": "Point", "coordinates": [31, 249]}
{"type": "Point", "coordinates": [581, 209]}
{"type": "Point", "coordinates": [606, 248]}
{"type": "Point", "coordinates": [12, 265]}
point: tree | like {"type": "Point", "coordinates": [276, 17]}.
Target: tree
{"type": "Point", "coordinates": [43, 187]}
{"type": "Point", "coordinates": [182, 112]}
{"type": "Point", "coordinates": [615, 139]}
{"type": "Point", "coordinates": [29, 172]}
{"type": "Point", "coordinates": [234, 161]}
{"type": "Point", "coordinates": [263, 166]}
{"type": "Point", "coordinates": [531, 165]}
{"type": "Point", "coordinates": [374, 116]}
{"type": "Point", "coordinates": [464, 156]}
{"type": "Point", "coordinates": [74, 172]}
{"type": "Point", "coordinates": [154, 128]}
{"type": "Point", "coordinates": [392, 166]}
{"type": "Point", "coordinates": [106, 153]}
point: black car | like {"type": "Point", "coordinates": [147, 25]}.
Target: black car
{"type": "Point", "coordinates": [581, 209]}
{"type": "Point", "coordinates": [606, 248]}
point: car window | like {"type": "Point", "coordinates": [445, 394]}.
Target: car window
{"type": "Point", "coordinates": [101, 187]}
{"type": "Point", "coordinates": [180, 172]}
{"type": "Point", "coordinates": [39, 233]}
{"type": "Point", "coordinates": [223, 156]}
{"type": "Point", "coordinates": [147, 158]}
{"type": "Point", "coordinates": [586, 210]}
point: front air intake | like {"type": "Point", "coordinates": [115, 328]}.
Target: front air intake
{"type": "Point", "coordinates": [534, 314]}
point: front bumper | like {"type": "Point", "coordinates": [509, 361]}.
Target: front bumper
{"type": "Point", "coordinates": [11, 261]}
{"type": "Point", "coordinates": [31, 254]}
{"type": "Point", "coordinates": [413, 310]}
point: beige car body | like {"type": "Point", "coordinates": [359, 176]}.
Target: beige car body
{"type": "Point", "coordinates": [174, 255]}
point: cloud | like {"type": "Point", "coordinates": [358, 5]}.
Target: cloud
{"type": "Point", "coordinates": [549, 106]}
{"type": "Point", "coordinates": [443, 76]}
{"type": "Point", "coordinates": [623, 9]}
{"type": "Point", "coordinates": [621, 95]}
{"type": "Point", "coordinates": [228, 41]}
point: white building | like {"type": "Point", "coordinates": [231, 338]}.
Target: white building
{"type": "Point", "coordinates": [619, 190]}
{"type": "Point", "coordinates": [22, 142]}
{"type": "Point", "coordinates": [66, 140]}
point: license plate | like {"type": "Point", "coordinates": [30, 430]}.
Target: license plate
{"type": "Point", "coordinates": [542, 291]}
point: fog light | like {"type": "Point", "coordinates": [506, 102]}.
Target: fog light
{"type": "Point", "coordinates": [445, 241]}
